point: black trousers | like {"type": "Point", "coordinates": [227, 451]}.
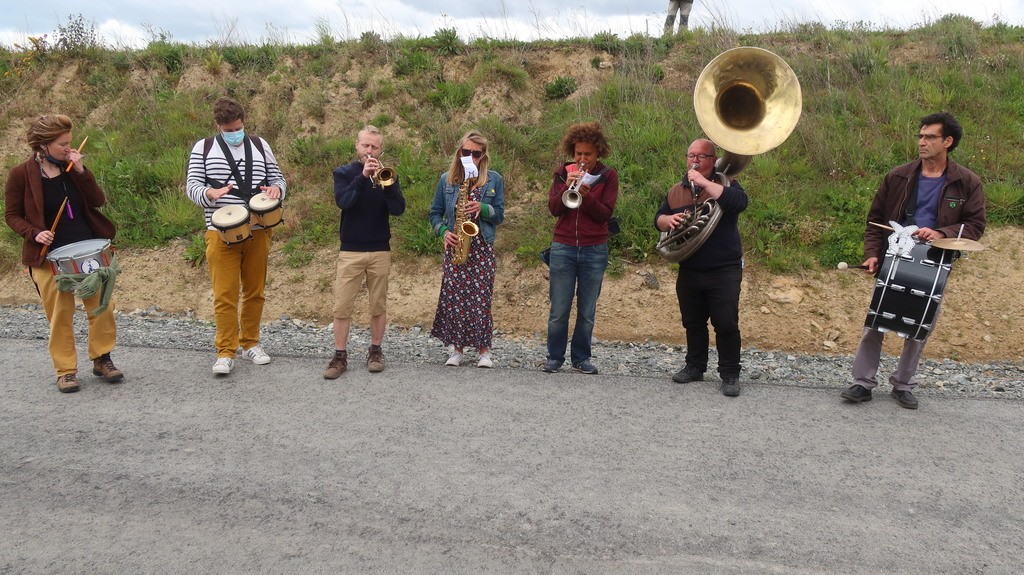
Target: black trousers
{"type": "Point", "coordinates": [711, 295]}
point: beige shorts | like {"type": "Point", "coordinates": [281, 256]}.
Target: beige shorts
{"type": "Point", "coordinates": [353, 268]}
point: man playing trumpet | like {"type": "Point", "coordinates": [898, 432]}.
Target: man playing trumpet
{"type": "Point", "coordinates": [708, 284]}
{"type": "Point", "coordinates": [366, 203]}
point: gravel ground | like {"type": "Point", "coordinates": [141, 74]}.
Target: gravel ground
{"type": "Point", "coordinates": [155, 328]}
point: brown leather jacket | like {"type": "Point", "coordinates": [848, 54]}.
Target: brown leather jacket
{"type": "Point", "coordinates": [24, 207]}
{"type": "Point", "coordinates": [962, 201]}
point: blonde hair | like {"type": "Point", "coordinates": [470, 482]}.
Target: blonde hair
{"type": "Point", "coordinates": [456, 172]}
{"type": "Point", "coordinates": [45, 129]}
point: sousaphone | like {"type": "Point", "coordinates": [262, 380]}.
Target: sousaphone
{"type": "Point", "coordinates": [747, 101]}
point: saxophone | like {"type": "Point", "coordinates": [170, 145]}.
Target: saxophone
{"type": "Point", "coordinates": [464, 226]}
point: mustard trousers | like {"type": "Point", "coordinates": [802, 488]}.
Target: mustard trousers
{"type": "Point", "coordinates": [237, 269]}
{"type": "Point", "coordinates": [60, 312]}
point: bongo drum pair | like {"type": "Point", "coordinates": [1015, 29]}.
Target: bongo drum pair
{"type": "Point", "coordinates": [234, 223]}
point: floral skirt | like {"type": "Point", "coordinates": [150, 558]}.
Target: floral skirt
{"type": "Point", "coordinates": [463, 317]}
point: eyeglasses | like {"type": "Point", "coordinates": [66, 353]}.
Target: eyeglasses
{"type": "Point", "coordinates": [928, 137]}
{"type": "Point", "coordinates": [700, 157]}
{"type": "Point", "coordinates": [475, 153]}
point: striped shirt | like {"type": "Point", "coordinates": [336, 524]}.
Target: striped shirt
{"type": "Point", "coordinates": [216, 168]}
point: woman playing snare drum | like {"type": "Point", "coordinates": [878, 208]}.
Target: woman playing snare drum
{"type": "Point", "coordinates": [44, 190]}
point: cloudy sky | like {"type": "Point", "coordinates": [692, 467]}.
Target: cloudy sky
{"type": "Point", "coordinates": [133, 23]}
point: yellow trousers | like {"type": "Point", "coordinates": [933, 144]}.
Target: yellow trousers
{"type": "Point", "coordinates": [235, 269]}
{"type": "Point", "coordinates": [60, 312]}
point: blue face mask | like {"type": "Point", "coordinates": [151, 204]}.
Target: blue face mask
{"type": "Point", "coordinates": [233, 138]}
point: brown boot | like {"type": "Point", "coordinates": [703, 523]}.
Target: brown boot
{"type": "Point", "coordinates": [67, 383]}
{"type": "Point", "coordinates": [375, 359]}
{"type": "Point", "coordinates": [338, 364]}
{"type": "Point", "coordinates": [104, 367]}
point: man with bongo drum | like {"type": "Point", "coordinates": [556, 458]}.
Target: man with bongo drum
{"type": "Point", "coordinates": [943, 199]}
{"type": "Point", "coordinates": [224, 170]}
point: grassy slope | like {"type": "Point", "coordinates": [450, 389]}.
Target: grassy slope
{"type": "Point", "coordinates": [863, 92]}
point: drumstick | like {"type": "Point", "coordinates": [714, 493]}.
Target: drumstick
{"type": "Point", "coordinates": [53, 228]}
{"type": "Point", "coordinates": [80, 146]}
{"type": "Point", "coordinates": [883, 226]}
{"type": "Point", "coordinates": [846, 266]}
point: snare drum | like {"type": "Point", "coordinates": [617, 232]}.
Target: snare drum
{"type": "Point", "coordinates": [266, 212]}
{"type": "Point", "coordinates": [232, 222]}
{"type": "Point", "coordinates": [908, 291]}
{"type": "Point", "coordinates": [84, 257]}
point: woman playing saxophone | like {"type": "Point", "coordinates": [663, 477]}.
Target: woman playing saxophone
{"type": "Point", "coordinates": [463, 318]}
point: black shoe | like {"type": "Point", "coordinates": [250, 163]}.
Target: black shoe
{"type": "Point", "coordinates": [730, 386]}
{"type": "Point", "coordinates": [586, 366]}
{"type": "Point", "coordinates": [551, 365]}
{"type": "Point", "coordinates": [904, 398]}
{"type": "Point", "coordinates": [856, 393]}
{"type": "Point", "coordinates": [687, 374]}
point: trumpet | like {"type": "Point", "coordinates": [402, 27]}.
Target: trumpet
{"type": "Point", "coordinates": [571, 197]}
{"type": "Point", "coordinates": [384, 176]}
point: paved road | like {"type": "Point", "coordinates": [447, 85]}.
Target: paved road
{"type": "Point", "coordinates": [423, 469]}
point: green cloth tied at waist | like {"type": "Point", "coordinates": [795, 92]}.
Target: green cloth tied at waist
{"type": "Point", "coordinates": [85, 286]}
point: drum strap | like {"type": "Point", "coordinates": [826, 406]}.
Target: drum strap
{"type": "Point", "coordinates": [249, 191]}
{"type": "Point", "coordinates": [911, 208]}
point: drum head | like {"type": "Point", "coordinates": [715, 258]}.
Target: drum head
{"type": "Point", "coordinates": [79, 249]}
{"type": "Point", "coordinates": [229, 217]}
{"type": "Point", "coordinates": [261, 202]}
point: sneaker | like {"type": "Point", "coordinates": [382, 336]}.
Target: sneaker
{"type": "Point", "coordinates": [856, 393]}
{"type": "Point", "coordinates": [375, 359]}
{"type": "Point", "coordinates": [551, 365]}
{"type": "Point", "coordinates": [904, 398]}
{"type": "Point", "coordinates": [257, 355]}
{"type": "Point", "coordinates": [455, 360]}
{"type": "Point", "coordinates": [223, 366]}
{"type": "Point", "coordinates": [730, 386]}
{"type": "Point", "coordinates": [586, 367]}
{"type": "Point", "coordinates": [104, 367]}
{"type": "Point", "coordinates": [485, 360]}
{"type": "Point", "coordinates": [687, 374]}
{"type": "Point", "coordinates": [337, 365]}
{"type": "Point", "coordinates": [67, 383]}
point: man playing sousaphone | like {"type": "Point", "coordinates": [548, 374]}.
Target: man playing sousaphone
{"type": "Point", "coordinates": [708, 284]}
{"type": "Point", "coordinates": [942, 199]}
{"type": "Point", "coordinates": [227, 170]}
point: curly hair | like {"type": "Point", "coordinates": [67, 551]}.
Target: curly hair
{"type": "Point", "coordinates": [589, 132]}
{"type": "Point", "coordinates": [226, 110]}
{"type": "Point", "coordinates": [46, 129]}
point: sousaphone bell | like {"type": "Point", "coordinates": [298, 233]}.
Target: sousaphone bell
{"type": "Point", "coordinates": [747, 101]}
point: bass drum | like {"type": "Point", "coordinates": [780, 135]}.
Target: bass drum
{"type": "Point", "coordinates": [908, 291]}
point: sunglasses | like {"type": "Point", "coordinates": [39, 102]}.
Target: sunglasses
{"type": "Point", "coordinates": [475, 153]}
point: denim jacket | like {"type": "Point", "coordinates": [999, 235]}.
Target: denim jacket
{"type": "Point", "coordinates": [442, 209]}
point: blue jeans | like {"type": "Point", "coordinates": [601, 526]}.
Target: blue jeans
{"type": "Point", "coordinates": [579, 271]}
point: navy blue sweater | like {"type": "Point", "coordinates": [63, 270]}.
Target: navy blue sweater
{"type": "Point", "coordinates": [365, 209]}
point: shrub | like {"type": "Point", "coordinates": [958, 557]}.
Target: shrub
{"type": "Point", "coordinates": [561, 88]}
{"type": "Point", "coordinates": [447, 42]}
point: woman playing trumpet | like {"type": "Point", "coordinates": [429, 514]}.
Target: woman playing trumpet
{"type": "Point", "coordinates": [579, 251]}
{"type": "Point", "coordinates": [463, 318]}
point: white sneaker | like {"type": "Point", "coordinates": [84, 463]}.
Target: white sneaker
{"type": "Point", "coordinates": [223, 365]}
{"type": "Point", "coordinates": [257, 355]}
{"type": "Point", "coordinates": [455, 360]}
{"type": "Point", "coordinates": [485, 360]}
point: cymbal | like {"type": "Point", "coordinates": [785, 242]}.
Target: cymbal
{"type": "Point", "coordinates": [962, 244]}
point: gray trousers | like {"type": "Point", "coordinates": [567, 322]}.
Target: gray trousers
{"type": "Point", "coordinates": [869, 354]}
{"type": "Point", "coordinates": [681, 6]}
